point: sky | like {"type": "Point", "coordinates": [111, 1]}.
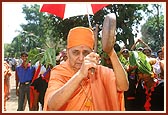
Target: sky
{"type": "Point", "coordinates": [12, 17]}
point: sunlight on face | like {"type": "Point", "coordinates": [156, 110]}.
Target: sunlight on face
{"type": "Point", "coordinates": [24, 58]}
{"type": "Point", "coordinates": [76, 56]}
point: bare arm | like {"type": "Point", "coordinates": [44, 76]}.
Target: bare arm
{"type": "Point", "coordinates": [61, 96]}
{"type": "Point", "coordinates": [134, 45]}
{"type": "Point", "coordinates": [141, 42]}
{"type": "Point", "coordinates": [120, 73]}
{"type": "Point", "coordinates": [108, 41]}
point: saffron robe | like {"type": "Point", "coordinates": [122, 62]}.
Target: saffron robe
{"type": "Point", "coordinates": [101, 88]}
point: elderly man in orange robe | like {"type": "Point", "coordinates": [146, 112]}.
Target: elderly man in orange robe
{"type": "Point", "coordinates": [73, 86]}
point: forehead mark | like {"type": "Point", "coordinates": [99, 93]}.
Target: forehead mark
{"type": "Point", "coordinates": [82, 47]}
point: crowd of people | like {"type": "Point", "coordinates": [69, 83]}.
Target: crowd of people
{"type": "Point", "coordinates": [130, 80]}
{"type": "Point", "coordinates": [146, 78]}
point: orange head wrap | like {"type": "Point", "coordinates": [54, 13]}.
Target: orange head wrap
{"type": "Point", "coordinates": [80, 36]}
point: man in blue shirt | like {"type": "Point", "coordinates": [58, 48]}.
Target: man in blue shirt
{"type": "Point", "coordinates": [24, 74]}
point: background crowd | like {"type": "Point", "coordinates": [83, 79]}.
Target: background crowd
{"type": "Point", "coordinates": [145, 72]}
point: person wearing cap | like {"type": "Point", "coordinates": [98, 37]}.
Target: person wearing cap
{"type": "Point", "coordinates": [24, 74]}
{"type": "Point", "coordinates": [140, 49]}
{"type": "Point", "coordinates": [80, 83]}
{"type": "Point", "coordinates": [147, 51]}
{"type": "Point", "coordinates": [125, 53]}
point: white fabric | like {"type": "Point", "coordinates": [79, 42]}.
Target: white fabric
{"type": "Point", "coordinates": [156, 67]}
{"type": "Point", "coordinates": [42, 69]}
{"type": "Point", "coordinates": [77, 9]}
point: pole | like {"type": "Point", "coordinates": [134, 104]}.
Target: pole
{"type": "Point", "coordinates": [90, 26]}
{"type": "Point", "coordinates": [95, 36]}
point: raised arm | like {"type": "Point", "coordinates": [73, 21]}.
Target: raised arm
{"type": "Point", "coordinates": [141, 42]}
{"type": "Point", "coordinates": [120, 73]}
{"type": "Point", "coordinates": [134, 45]}
{"type": "Point", "coordinates": [108, 41]}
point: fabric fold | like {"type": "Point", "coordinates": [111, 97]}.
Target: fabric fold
{"type": "Point", "coordinates": [102, 87]}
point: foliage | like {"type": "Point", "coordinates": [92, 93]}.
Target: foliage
{"type": "Point", "coordinates": [128, 15]}
{"type": "Point", "coordinates": [46, 57]}
{"type": "Point", "coordinates": [139, 59]}
{"type": "Point", "coordinates": [7, 50]}
{"type": "Point", "coordinates": [152, 34]}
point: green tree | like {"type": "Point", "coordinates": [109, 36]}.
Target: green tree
{"type": "Point", "coordinates": [153, 31]}
{"type": "Point", "coordinates": [128, 16]}
{"type": "Point", "coordinates": [44, 31]}
{"type": "Point", "coordinates": [40, 32]}
{"type": "Point", "coordinates": [7, 50]}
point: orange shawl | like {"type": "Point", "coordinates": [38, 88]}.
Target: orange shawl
{"type": "Point", "coordinates": [102, 87]}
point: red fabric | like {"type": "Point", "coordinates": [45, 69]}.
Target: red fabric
{"type": "Point", "coordinates": [46, 78]}
{"type": "Point", "coordinates": [59, 9]}
{"type": "Point", "coordinates": [148, 96]}
{"type": "Point", "coordinates": [36, 73]}
{"type": "Point", "coordinates": [56, 9]}
{"type": "Point", "coordinates": [32, 90]}
{"type": "Point", "coordinates": [97, 7]}
{"type": "Point", "coordinates": [33, 95]}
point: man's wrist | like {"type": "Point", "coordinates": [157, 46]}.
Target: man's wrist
{"type": "Point", "coordinates": [81, 74]}
{"type": "Point", "coordinates": [111, 52]}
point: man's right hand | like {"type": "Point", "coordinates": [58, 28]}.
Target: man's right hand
{"type": "Point", "coordinates": [17, 92]}
{"type": "Point", "coordinates": [90, 61]}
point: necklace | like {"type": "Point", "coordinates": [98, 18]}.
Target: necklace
{"type": "Point", "coordinates": [148, 96]}
{"type": "Point", "coordinates": [89, 100]}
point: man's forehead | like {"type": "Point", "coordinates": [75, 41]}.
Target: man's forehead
{"type": "Point", "coordinates": [81, 47]}
{"type": "Point", "coordinates": [24, 55]}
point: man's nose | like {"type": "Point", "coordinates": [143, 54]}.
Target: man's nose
{"type": "Point", "coordinates": [81, 57]}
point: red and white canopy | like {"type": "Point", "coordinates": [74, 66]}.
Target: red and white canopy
{"type": "Point", "coordinates": [69, 10]}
